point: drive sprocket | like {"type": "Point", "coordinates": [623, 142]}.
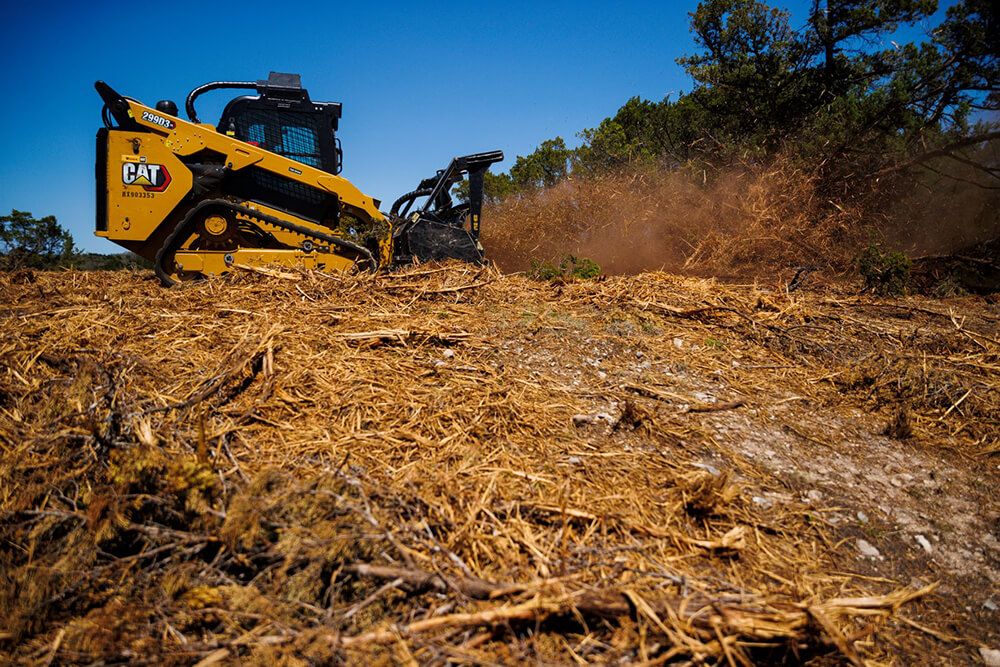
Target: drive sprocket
{"type": "Point", "coordinates": [217, 230]}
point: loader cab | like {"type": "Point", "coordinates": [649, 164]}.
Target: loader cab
{"type": "Point", "coordinates": [282, 119]}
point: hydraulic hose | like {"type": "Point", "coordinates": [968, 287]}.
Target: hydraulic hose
{"type": "Point", "coordinates": [214, 85]}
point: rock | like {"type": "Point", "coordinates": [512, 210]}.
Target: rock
{"type": "Point", "coordinates": [922, 541]}
{"type": "Point", "coordinates": [814, 496]}
{"type": "Point", "coordinates": [901, 480]}
{"type": "Point", "coordinates": [867, 550]}
{"type": "Point", "coordinates": [705, 466]}
{"type": "Point", "coordinates": [448, 353]}
{"type": "Point", "coordinates": [602, 375]}
{"type": "Point", "coordinates": [991, 605]}
{"type": "Point", "coordinates": [583, 420]}
{"type": "Point", "coordinates": [862, 517]}
{"type": "Point", "coordinates": [573, 459]}
{"type": "Point", "coordinates": [990, 656]}
{"type": "Point", "coordinates": [678, 342]}
{"type": "Point", "coordinates": [763, 502]}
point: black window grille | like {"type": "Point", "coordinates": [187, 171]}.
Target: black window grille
{"type": "Point", "coordinates": [294, 135]}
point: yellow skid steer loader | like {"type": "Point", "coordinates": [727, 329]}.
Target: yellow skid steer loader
{"type": "Point", "coordinates": [263, 187]}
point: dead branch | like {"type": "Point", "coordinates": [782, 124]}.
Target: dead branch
{"type": "Point", "coordinates": [751, 621]}
{"type": "Point", "coordinates": [944, 151]}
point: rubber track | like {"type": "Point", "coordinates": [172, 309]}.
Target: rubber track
{"type": "Point", "coordinates": [167, 248]}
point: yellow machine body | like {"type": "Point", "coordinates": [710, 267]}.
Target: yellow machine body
{"type": "Point", "coordinates": [146, 181]}
{"type": "Point", "coordinates": [200, 200]}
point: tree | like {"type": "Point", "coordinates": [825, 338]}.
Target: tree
{"type": "Point", "coordinates": [845, 105]}
{"type": "Point", "coordinates": [495, 188]}
{"type": "Point", "coordinates": [850, 111]}
{"type": "Point", "coordinates": [960, 75]}
{"type": "Point", "coordinates": [752, 70]}
{"type": "Point", "coordinates": [969, 40]}
{"type": "Point", "coordinates": [633, 135]}
{"type": "Point", "coordinates": [914, 102]}
{"type": "Point", "coordinates": [30, 243]}
{"type": "Point", "coordinates": [837, 23]}
{"type": "Point", "coordinates": [546, 166]}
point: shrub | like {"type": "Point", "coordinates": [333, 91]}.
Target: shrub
{"type": "Point", "coordinates": [569, 267]}
{"type": "Point", "coordinates": [886, 272]}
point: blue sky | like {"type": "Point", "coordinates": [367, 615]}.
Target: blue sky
{"type": "Point", "coordinates": [420, 81]}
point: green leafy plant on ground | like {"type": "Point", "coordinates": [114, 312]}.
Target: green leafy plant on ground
{"type": "Point", "coordinates": [569, 266]}
{"type": "Point", "coordinates": [363, 231]}
{"type": "Point", "coordinates": [886, 272]}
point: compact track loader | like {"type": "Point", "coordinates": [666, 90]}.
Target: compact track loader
{"type": "Point", "coordinates": [263, 187]}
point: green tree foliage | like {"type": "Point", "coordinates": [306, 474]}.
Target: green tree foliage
{"type": "Point", "coordinates": [848, 109]}
{"type": "Point", "coordinates": [752, 70]}
{"type": "Point", "coordinates": [837, 24]}
{"type": "Point", "coordinates": [969, 66]}
{"type": "Point", "coordinates": [548, 165]}
{"type": "Point", "coordinates": [29, 243]}
{"type": "Point", "coordinates": [639, 134]}
{"type": "Point", "coordinates": [495, 188]}
{"type": "Point", "coordinates": [363, 231]}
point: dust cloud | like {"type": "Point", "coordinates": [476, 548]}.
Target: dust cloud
{"type": "Point", "coordinates": [745, 221]}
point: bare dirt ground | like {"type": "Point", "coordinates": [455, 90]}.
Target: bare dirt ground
{"type": "Point", "coordinates": [643, 469]}
{"type": "Point", "coordinates": [817, 425]}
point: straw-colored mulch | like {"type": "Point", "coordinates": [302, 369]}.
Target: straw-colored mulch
{"type": "Point", "coordinates": [445, 465]}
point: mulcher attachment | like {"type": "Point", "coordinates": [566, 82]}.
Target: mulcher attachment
{"type": "Point", "coordinates": [437, 230]}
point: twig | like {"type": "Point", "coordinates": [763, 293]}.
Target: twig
{"type": "Point", "coordinates": [54, 647]}
{"type": "Point", "coordinates": [532, 610]}
{"type": "Point", "coordinates": [955, 405]}
{"type": "Point", "coordinates": [268, 272]}
{"type": "Point", "coordinates": [460, 288]}
{"type": "Point", "coordinates": [716, 407]}
{"type": "Point", "coordinates": [474, 588]}
{"type": "Point", "coordinates": [213, 657]}
{"type": "Point", "coordinates": [930, 631]}
{"type": "Point", "coordinates": [371, 598]}
{"type": "Point", "coordinates": [403, 335]}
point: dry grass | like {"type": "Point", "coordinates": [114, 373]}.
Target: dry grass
{"type": "Point", "coordinates": [416, 467]}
